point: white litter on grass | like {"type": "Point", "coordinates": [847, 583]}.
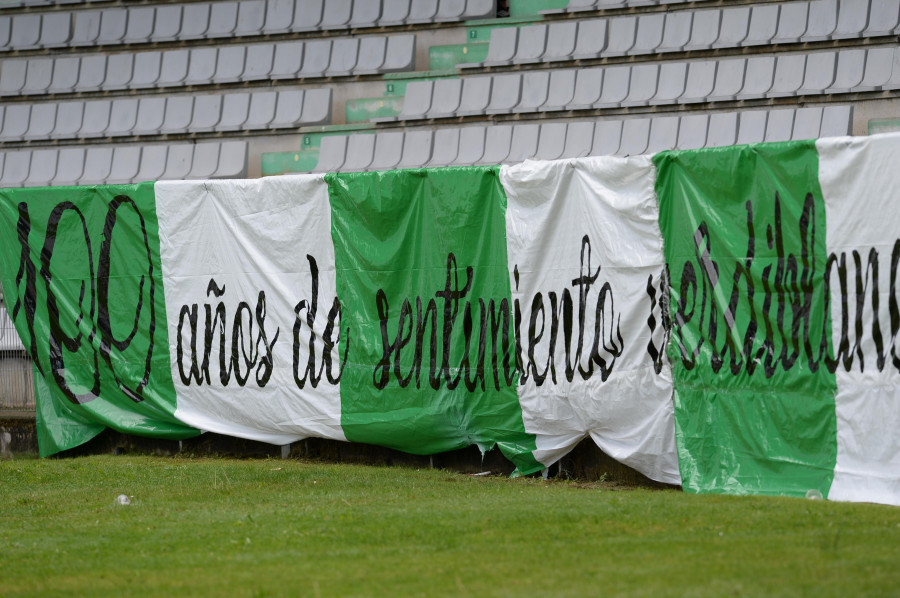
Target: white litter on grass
{"type": "Point", "coordinates": [123, 500]}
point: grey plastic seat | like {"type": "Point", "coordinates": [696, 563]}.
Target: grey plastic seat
{"type": "Point", "coordinates": [12, 76]}
{"type": "Point", "coordinates": [780, 125]}
{"type": "Point", "coordinates": [372, 53]}
{"type": "Point", "coordinates": [56, 29]}
{"type": "Point", "coordinates": [262, 109]}
{"type": "Point", "coordinates": [119, 69]}
{"type": "Point", "coordinates": [126, 163]}
{"type": "Point", "coordinates": [388, 150]}
{"type": "Point", "coordinates": [174, 67]}
{"type": "Point", "coordinates": [178, 162]}
{"type": "Point", "coordinates": [16, 165]}
{"type": "Point", "coordinates": [821, 68]}
{"type": "Point", "coordinates": [729, 79]}
{"type": "Point", "coordinates": [616, 82]}
{"type": "Point", "coordinates": [69, 118]}
{"type": "Point", "coordinates": [607, 138]}
{"type": "Point", "coordinates": [692, 131]}
{"type": "Point", "coordinates": [150, 115]}
{"type": "Point", "coordinates": [476, 94]}
{"type": "Point", "coordinates": [250, 17]}
{"type": "Point", "coordinates": [561, 90]}
{"type": "Point", "coordinates": [122, 117]}
{"type": "Point", "coordinates": [822, 20]}
{"type": "Point", "coordinates": [561, 38]}
{"type": "Point", "coordinates": [417, 147]}
{"type": "Point", "coordinates": [344, 55]}
{"type": "Point", "coordinates": [763, 25]}
{"type": "Point", "coordinates": [672, 80]}
{"type": "Point", "coordinates": [113, 23]}
{"type": "Point", "coordinates": [635, 137]}
{"type": "Point", "coordinates": [288, 109]}
{"type": "Point", "coordinates": [332, 153]}
{"type": "Point", "coordinates": [232, 160]}
{"type": "Point", "coordinates": [588, 86]}
{"type": "Point", "coordinates": [450, 10]}
{"type": "Point", "coordinates": [734, 27]}
{"type": "Point", "coordinates": [792, 21]}
{"type": "Point", "coordinates": [591, 41]}
{"type": "Point", "coordinates": [649, 35]}
{"type": "Point", "coordinates": [308, 15]}
{"type": "Point", "coordinates": [620, 36]}
{"type": "Point", "coordinates": [879, 65]}
{"type": "Point", "coordinates": [704, 30]}
{"type": "Point", "coordinates": [722, 129]}
{"type": "Point", "coordinates": [38, 76]}
{"type": "Point", "coordinates": [836, 121]}
{"type": "Point", "coordinates": [222, 19]}
{"type": "Point", "coordinates": [676, 32]}
{"type": "Point", "coordinates": [851, 65]}
{"type": "Point", "coordinates": [394, 12]}
{"type": "Point", "coordinates": [230, 62]}
{"type": "Point", "coordinates": [417, 100]}
{"type": "Point", "coordinates": [789, 73]}
{"type": "Point", "coordinates": [524, 144]}
{"type": "Point", "coordinates": [43, 168]}
{"type": "Point", "coordinates": [179, 111]}
{"type": "Point", "coordinates": [579, 139]}
{"type": "Point", "coordinates": [700, 82]}
{"type": "Point", "coordinates": [42, 121]}
{"type": "Point", "coordinates": [86, 27]}
{"type": "Point", "coordinates": [480, 9]}
{"type": "Point", "coordinates": [167, 26]}
{"type": "Point", "coordinates": [663, 134]}
{"type": "Point", "coordinates": [201, 67]}
{"type": "Point", "coordinates": [235, 108]}
{"type": "Point", "coordinates": [140, 25]}
{"type": "Point", "coordinates": [147, 67]}
{"type": "Point", "coordinates": [66, 70]}
{"type": "Point", "coordinates": [884, 16]}
{"type": "Point", "coordinates": [752, 126]}
{"type": "Point", "coordinates": [853, 17]}
{"type": "Point", "coordinates": [207, 112]}
{"type": "Point", "coordinates": [96, 118]}
{"type": "Point", "coordinates": [69, 166]}
{"type": "Point", "coordinates": [204, 161]}
{"type": "Point", "coordinates": [91, 73]}
{"type": "Point", "coordinates": [807, 122]}
{"type": "Point", "coordinates": [497, 144]}
{"type": "Point", "coordinates": [16, 118]}
{"type": "Point", "coordinates": [531, 45]}
{"type": "Point", "coordinates": [551, 141]}
{"type": "Point", "coordinates": [894, 81]}
{"type": "Point", "coordinates": [400, 54]}
{"type": "Point", "coordinates": [535, 87]}
{"type": "Point", "coordinates": [258, 63]}
{"type": "Point", "coordinates": [365, 14]}
{"type": "Point", "coordinates": [194, 20]}
{"type": "Point", "coordinates": [26, 31]}
{"type": "Point", "coordinates": [316, 56]}
{"type": "Point", "coordinates": [153, 163]}
{"type": "Point", "coordinates": [336, 14]}
{"type": "Point", "coordinates": [97, 165]}
{"type": "Point", "coordinates": [643, 84]}
{"type": "Point", "coordinates": [422, 11]}
{"type": "Point", "coordinates": [316, 107]}
{"type": "Point", "coordinates": [506, 91]}
{"type": "Point", "coordinates": [279, 15]}
{"type": "Point", "coordinates": [445, 147]}
{"type": "Point", "coordinates": [446, 97]}
{"type": "Point", "coordinates": [471, 145]}
{"type": "Point", "coordinates": [758, 78]}
{"type": "Point", "coordinates": [5, 32]}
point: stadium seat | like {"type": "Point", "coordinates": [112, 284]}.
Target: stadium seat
{"type": "Point", "coordinates": [194, 21]}
{"type": "Point", "coordinates": [167, 25]}
{"type": "Point", "coordinates": [174, 66]}
{"type": "Point", "coordinates": [476, 94]}
{"type": "Point", "coordinates": [620, 38]}
{"type": "Point", "coordinates": [591, 39]}
{"type": "Point", "coordinates": [15, 168]}
{"type": "Point", "coordinates": [422, 11]}
{"type": "Point", "coordinates": [849, 71]}
{"type": "Point", "coordinates": [535, 89]}
{"type": "Point", "coordinates": [122, 117]}
{"type": "Point", "coordinates": [316, 107]}
{"type": "Point", "coordinates": [752, 126]}
{"type": "Point", "coordinates": [692, 130]}
{"type": "Point", "coordinates": [588, 85]}
{"type": "Point", "coordinates": [69, 166]}
{"type": "Point", "coordinates": [232, 160]}
{"type": "Point", "coordinates": [119, 70]}
{"type": "Point", "coordinates": [607, 138]}
{"type": "Point", "coordinates": [388, 150]}
{"type": "Point", "coordinates": [758, 77]}
{"type": "Point", "coordinates": [69, 118]}
{"type": "Point", "coordinates": [677, 31]}
{"type": "Point", "coordinates": [204, 161]}
{"type": "Point", "coordinates": [561, 37]}
{"type": "Point", "coordinates": [258, 63]}
{"type": "Point", "coordinates": [672, 80]}
{"type": "Point", "coordinates": [704, 30]}
{"type": "Point", "coordinates": [279, 16]}
{"type": "Point", "coordinates": [524, 145]}
{"type": "Point", "coordinates": [344, 56]}
{"type": "Point", "coordinates": [230, 62]}
{"type": "Point", "coordinates": [763, 25]}
{"type": "Point", "coordinates": [884, 16]}
{"type": "Point", "coordinates": [780, 125]}
{"type": "Point", "coordinates": [140, 25]}
{"type": "Point", "coordinates": [531, 44]}
{"type": "Point", "coordinates": [235, 109]}
{"type": "Point", "coordinates": [150, 116]}
{"type": "Point", "coordinates": [42, 121]}
{"type": "Point", "coordinates": [822, 20]}
{"type": "Point", "coordinates": [38, 76]}
{"type": "Point", "coordinates": [288, 109]}
{"type": "Point", "coordinates": [445, 98]}
{"type": "Point", "coordinates": [262, 109]}
{"type": "Point", "coordinates": [97, 165]}
{"type": "Point", "coordinates": [316, 56]}
{"type": "Point", "coordinates": [178, 162]}
{"type": "Point", "coordinates": [372, 54]}
{"type": "Point", "coordinates": [879, 65]}
{"type": "Point", "coordinates": [446, 147]}
{"type": "Point", "coordinates": [561, 90]}
{"type": "Point", "coordinates": [153, 163]}
{"type": "Point", "coordinates": [200, 67]}
{"type": "Point", "coordinates": [308, 15]}
{"type": "Point", "coordinates": [635, 137]}
{"type": "Point", "coordinates": [56, 29]}
{"type": "Point", "coordinates": [365, 14]}
{"type": "Point", "coordinates": [417, 100]}
{"type": "Point", "coordinates": [287, 60]}
{"type": "Point", "coordinates": [551, 141]}
{"type": "Point", "coordinates": [789, 72]}
{"type": "Point", "coordinates": [734, 28]}
{"type": "Point", "coordinates": [663, 134]}
{"type": "Point", "coordinates": [579, 139]}
{"type": "Point", "coordinates": [222, 19]}
{"type": "Point", "coordinates": [821, 68]}
{"type": "Point", "coordinates": [332, 153]}
{"type": "Point", "coordinates": [96, 118]}
{"type": "Point", "coordinates": [179, 112]}
{"type": "Point", "coordinates": [506, 91]}
{"type": "Point", "coordinates": [722, 129]}
{"type": "Point", "coordinates": [147, 67]}
{"type": "Point", "coordinates": [642, 86]}
{"type": "Point", "coordinates": [836, 121]}
{"type": "Point", "coordinates": [206, 112]}
{"type": "Point", "coordinates": [471, 145]}
{"type": "Point", "coordinates": [336, 14]}
{"type": "Point", "coordinates": [729, 79]}
{"type": "Point", "coordinates": [126, 162]}
{"type": "Point", "coordinates": [496, 146]}
{"type": "Point", "coordinates": [26, 31]}
{"type": "Point", "coordinates": [616, 83]}
{"type": "Point", "coordinates": [417, 146]}
{"type": "Point", "coordinates": [394, 12]}
{"type": "Point", "coordinates": [113, 24]}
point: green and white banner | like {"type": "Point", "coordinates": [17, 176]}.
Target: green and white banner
{"type": "Point", "coordinates": [714, 318]}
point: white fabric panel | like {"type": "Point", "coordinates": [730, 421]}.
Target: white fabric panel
{"type": "Point", "coordinates": [552, 207]}
{"type": "Point", "coordinates": [251, 236]}
{"type": "Point", "coordinates": [859, 177]}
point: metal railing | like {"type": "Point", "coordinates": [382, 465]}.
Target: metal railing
{"type": "Point", "coordinates": [16, 373]}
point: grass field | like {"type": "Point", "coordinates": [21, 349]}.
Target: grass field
{"type": "Point", "coordinates": [292, 528]}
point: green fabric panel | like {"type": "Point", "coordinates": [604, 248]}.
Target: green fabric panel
{"type": "Point", "coordinates": [744, 229]}
{"type": "Point", "coordinates": [395, 232]}
{"type": "Point", "coordinates": [82, 281]}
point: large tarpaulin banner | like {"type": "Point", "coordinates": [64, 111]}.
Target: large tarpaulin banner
{"type": "Point", "coordinates": [723, 319]}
